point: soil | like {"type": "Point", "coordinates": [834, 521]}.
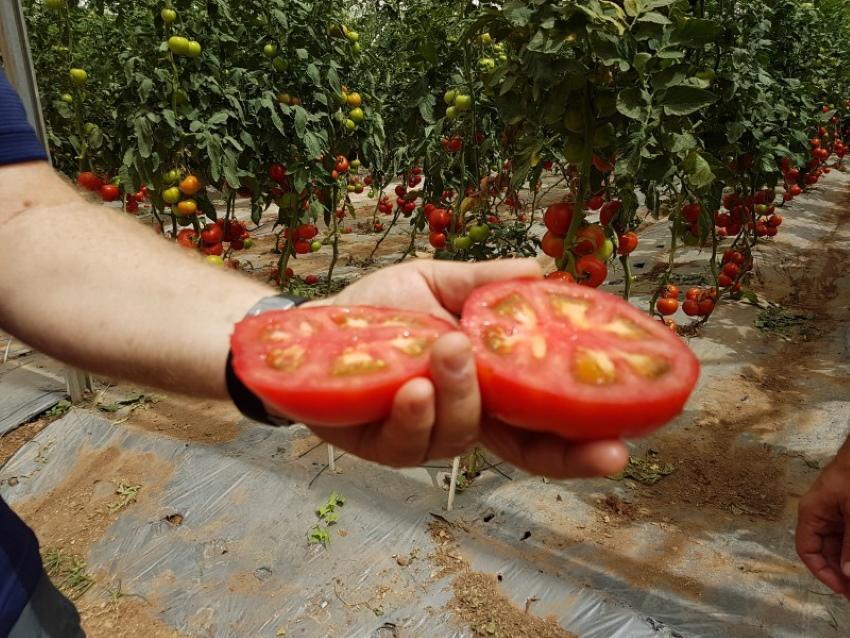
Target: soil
{"type": "Point", "coordinates": [188, 419]}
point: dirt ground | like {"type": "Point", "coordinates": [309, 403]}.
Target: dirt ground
{"type": "Point", "coordinates": [734, 464]}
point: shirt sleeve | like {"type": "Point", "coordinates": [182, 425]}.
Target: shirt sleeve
{"type": "Point", "coordinates": [18, 141]}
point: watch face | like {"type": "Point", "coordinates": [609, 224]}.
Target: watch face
{"type": "Point", "coordinates": [278, 302]}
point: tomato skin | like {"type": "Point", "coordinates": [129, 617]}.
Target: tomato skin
{"type": "Point", "coordinates": [560, 275]}
{"type": "Point", "coordinates": [89, 181]}
{"type": "Point", "coordinates": [609, 212]}
{"type": "Point", "coordinates": [187, 238]}
{"type": "Point", "coordinates": [109, 193]}
{"type": "Point", "coordinates": [553, 245]}
{"type": "Point", "coordinates": [591, 271]}
{"type": "Point", "coordinates": [542, 395]}
{"type": "Point", "coordinates": [589, 240]}
{"type": "Point", "coordinates": [310, 393]}
{"type": "Point", "coordinates": [186, 208]}
{"type": "Point", "coordinates": [438, 240]}
{"type": "Point", "coordinates": [628, 243]}
{"type": "Point", "coordinates": [691, 307]}
{"type": "Point", "coordinates": [190, 185]}
{"type": "Point", "coordinates": [667, 306]}
{"type": "Point", "coordinates": [212, 234]}
{"type": "Point", "coordinates": [214, 249]}
{"type": "Point", "coordinates": [439, 220]}
{"type": "Point", "coordinates": [558, 218]}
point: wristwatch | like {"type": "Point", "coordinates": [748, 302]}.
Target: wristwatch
{"type": "Point", "coordinates": [248, 403]}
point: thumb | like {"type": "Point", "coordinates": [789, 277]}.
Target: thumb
{"type": "Point", "coordinates": [452, 283]}
{"type": "Point", "coordinates": [845, 550]}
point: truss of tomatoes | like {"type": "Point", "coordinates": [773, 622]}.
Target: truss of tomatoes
{"type": "Point", "coordinates": [552, 357]}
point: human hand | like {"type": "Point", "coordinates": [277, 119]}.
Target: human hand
{"type": "Point", "coordinates": [823, 526]}
{"type": "Point", "coordinates": [443, 418]}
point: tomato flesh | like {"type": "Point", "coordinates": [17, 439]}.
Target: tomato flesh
{"type": "Point", "coordinates": [556, 357]}
{"type": "Point", "coordinates": [334, 366]}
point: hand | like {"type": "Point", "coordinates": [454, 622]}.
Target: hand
{"type": "Point", "coordinates": [823, 526]}
{"type": "Point", "coordinates": [443, 418]}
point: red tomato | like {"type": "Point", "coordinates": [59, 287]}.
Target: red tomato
{"type": "Point", "coordinates": [691, 307]}
{"type": "Point", "coordinates": [580, 363]}
{"type": "Point", "coordinates": [558, 218]}
{"type": "Point", "coordinates": [302, 247]}
{"type": "Point", "coordinates": [693, 294]}
{"type": "Point", "coordinates": [560, 275]}
{"type": "Point", "coordinates": [667, 306]}
{"type": "Point", "coordinates": [89, 181]}
{"type": "Point", "coordinates": [596, 203]}
{"type": "Point", "coordinates": [401, 190]}
{"type": "Point", "coordinates": [306, 231]}
{"type": "Point", "coordinates": [591, 271]}
{"type": "Point", "coordinates": [333, 366]}
{"type": "Point", "coordinates": [277, 172]}
{"type": "Point", "coordinates": [724, 280]}
{"type": "Point", "coordinates": [589, 240]}
{"type": "Point", "coordinates": [212, 234]}
{"type": "Point", "coordinates": [775, 221]}
{"type": "Point", "coordinates": [438, 240]}
{"type": "Point", "coordinates": [628, 243]}
{"type": "Point", "coordinates": [609, 212]}
{"type": "Point", "coordinates": [187, 238]}
{"type": "Point", "coordinates": [731, 270]}
{"type": "Point", "coordinates": [691, 213]}
{"type": "Point", "coordinates": [109, 193]}
{"type": "Point", "coordinates": [440, 220]}
{"type": "Point", "coordinates": [706, 306]}
{"type": "Point", "coordinates": [553, 245]}
{"type": "Point", "coordinates": [671, 292]}
{"type": "Point", "coordinates": [214, 249]}
{"type": "Point", "coordinates": [311, 280]}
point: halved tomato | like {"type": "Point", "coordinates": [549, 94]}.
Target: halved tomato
{"type": "Point", "coordinates": [556, 357]}
{"type": "Point", "coordinates": [333, 366]}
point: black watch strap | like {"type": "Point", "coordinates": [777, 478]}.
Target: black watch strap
{"type": "Point", "coordinates": [248, 403]}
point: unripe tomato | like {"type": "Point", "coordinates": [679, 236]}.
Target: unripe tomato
{"type": "Point", "coordinates": [54, 4]}
{"type": "Point", "coordinates": [168, 15]}
{"type": "Point", "coordinates": [178, 45]}
{"type": "Point", "coordinates": [270, 50]}
{"type": "Point", "coordinates": [187, 207]}
{"type": "Point", "coordinates": [316, 246]}
{"type": "Point", "coordinates": [190, 185]}
{"type": "Point", "coordinates": [462, 243]}
{"type": "Point", "coordinates": [171, 195]}
{"type": "Point", "coordinates": [354, 100]}
{"type": "Point", "coordinates": [194, 49]}
{"type": "Point", "coordinates": [479, 233]}
{"type": "Point", "coordinates": [449, 97]}
{"type": "Point", "coordinates": [78, 76]}
{"type": "Point", "coordinates": [357, 115]}
{"type": "Point", "coordinates": [215, 259]}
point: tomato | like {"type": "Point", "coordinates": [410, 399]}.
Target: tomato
{"type": "Point", "coordinates": [670, 292]}
{"type": "Point", "coordinates": [277, 173]}
{"type": "Point", "coordinates": [558, 218]}
{"type": "Point", "coordinates": [724, 280]}
{"type": "Point", "coordinates": [89, 181]}
{"type": "Point", "coordinates": [270, 50]}
{"type": "Point", "coordinates": [306, 231]}
{"type": "Point", "coordinates": [479, 233]}
{"type": "Point", "coordinates": [78, 76]}
{"type": "Point", "coordinates": [109, 193]}
{"type": "Point", "coordinates": [463, 102]}
{"type": "Point", "coordinates": [302, 247]}
{"type": "Point", "coordinates": [333, 366]}
{"type": "Point", "coordinates": [212, 234]}
{"type": "Point", "coordinates": [596, 203]}
{"type": "Point", "coordinates": [609, 212]}
{"type": "Point", "coordinates": [731, 270]}
{"type": "Point", "coordinates": [190, 185]}
{"type": "Point", "coordinates": [691, 212]}
{"type": "Point", "coordinates": [168, 15]}
{"type": "Point", "coordinates": [691, 307]}
{"type": "Point", "coordinates": [178, 45]}
{"type": "Point", "coordinates": [628, 242]}
{"type": "Point", "coordinates": [560, 275]}
{"type": "Point", "coordinates": [775, 221]}
{"type": "Point", "coordinates": [462, 243]}
{"type": "Point", "coordinates": [553, 245]}
{"type": "Point", "coordinates": [667, 306]}
{"type": "Point", "coordinates": [214, 249]}
{"type": "Point", "coordinates": [583, 364]}
{"type": "Point", "coordinates": [454, 144]}
{"type": "Point", "coordinates": [342, 164]}
{"type": "Point", "coordinates": [589, 240]}
{"type": "Point", "coordinates": [187, 238]}
{"type": "Point", "coordinates": [438, 240]}
{"type": "Point", "coordinates": [439, 219]}
{"type": "Point", "coordinates": [311, 280]}
{"type": "Point", "coordinates": [194, 49]}
{"type": "Point", "coordinates": [591, 271]}
{"type": "Point", "coordinates": [706, 306]}
{"type": "Point", "coordinates": [693, 294]}
{"type": "Point", "coordinates": [132, 206]}
{"type": "Point", "coordinates": [171, 195]}
{"type": "Point", "coordinates": [187, 207]}
{"type": "Point", "coordinates": [215, 260]}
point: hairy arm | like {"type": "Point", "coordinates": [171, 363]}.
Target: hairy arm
{"type": "Point", "coordinates": [91, 287]}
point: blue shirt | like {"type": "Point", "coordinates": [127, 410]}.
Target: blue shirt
{"type": "Point", "coordinates": [20, 562]}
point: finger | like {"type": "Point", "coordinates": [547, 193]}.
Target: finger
{"type": "Point", "coordinates": [403, 439]}
{"type": "Point", "coordinates": [458, 399]}
{"type": "Point", "coordinates": [452, 283]}
{"type": "Point", "coordinates": [811, 543]}
{"type": "Point", "coordinates": [551, 456]}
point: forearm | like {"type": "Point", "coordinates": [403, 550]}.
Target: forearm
{"type": "Point", "coordinates": [91, 287]}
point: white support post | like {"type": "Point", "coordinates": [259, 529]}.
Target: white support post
{"type": "Point", "coordinates": [77, 382]}
{"type": "Point", "coordinates": [331, 459]}
{"type": "Point", "coordinates": [453, 484]}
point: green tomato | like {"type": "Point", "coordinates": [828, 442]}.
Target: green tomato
{"type": "Point", "coordinates": [487, 64]}
{"type": "Point", "coordinates": [54, 4]}
{"type": "Point", "coordinates": [357, 49]}
{"type": "Point", "coordinates": [479, 234]}
{"type": "Point", "coordinates": [215, 260]}
{"type": "Point", "coordinates": [194, 49]}
{"type": "Point", "coordinates": [78, 76]}
{"type": "Point", "coordinates": [604, 136]}
{"type": "Point", "coordinates": [354, 164]}
{"type": "Point", "coordinates": [357, 115]}
{"type": "Point", "coordinates": [502, 57]}
{"type": "Point", "coordinates": [462, 243]}
{"type": "Point", "coordinates": [178, 45]}
{"type": "Point", "coordinates": [353, 36]}
{"type": "Point", "coordinates": [350, 124]}
{"type": "Point", "coordinates": [316, 246]}
{"type": "Point", "coordinates": [67, 98]}
{"type": "Point", "coordinates": [463, 102]}
{"type": "Point", "coordinates": [452, 113]}
{"type": "Point", "coordinates": [181, 97]}
{"type": "Point", "coordinates": [280, 64]}
{"type": "Point", "coordinates": [574, 120]}
{"type": "Point", "coordinates": [449, 97]}
{"type": "Point", "coordinates": [606, 103]}
{"type": "Point", "coordinates": [604, 253]}
{"type": "Point", "coordinates": [341, 99]}
{"type": "Point", "coordinates": [486, 39]}
{"type": "Point", "coordinates": [89, 128]}
{"type": "Point", "coordinates": [173, 176]}
{"type": "Point", "coordinates": [574, 150]}
{"type": "Point", "coordinates": [762, 209]}
{"type": "Point", "coordinates": [168, 15]}
{"type": "Point", "coordinates": [248, 243]}
{"type": "Point", "coordinates": [171, 195]}
{"type": "Point", "coordinates": [270, 50]}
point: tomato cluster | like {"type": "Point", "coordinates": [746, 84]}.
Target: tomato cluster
{"type": "Point", "coordinates": [700, 302]}
{"type": "Point", "coordinates": [591, 247]}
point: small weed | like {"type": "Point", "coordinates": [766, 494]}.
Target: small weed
{"type": "Point", "coordinates": [68, 572]}
{"type": "Point", "coordinates": [128, 494]}
{"type": "Point", "coordinates": [784, 323]}
{"type": "Point", "coordinates": [58, 410]}
{"type": "Point", "coordinates": [328, 515]}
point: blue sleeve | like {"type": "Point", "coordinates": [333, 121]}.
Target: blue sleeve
{"type": "Point", "coordinates": [18, 141]}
